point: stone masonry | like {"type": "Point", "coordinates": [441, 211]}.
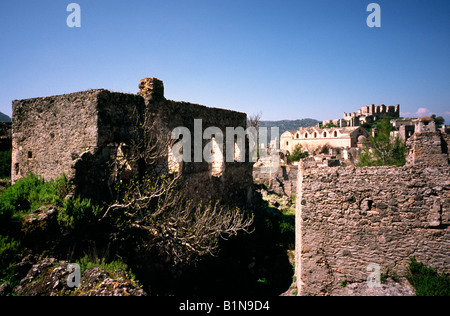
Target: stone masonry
{"type": "Point", "coordinates": [348, 218]}
{"type": "Point", "coordinates": [78, 134]}
{"type": "Point", "coordinates": [68, 133]}
{"type": "Point", "coordinates": [366, 114]}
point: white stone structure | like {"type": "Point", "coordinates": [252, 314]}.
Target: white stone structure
{"type": "Point", "coordinates": [313, 138]}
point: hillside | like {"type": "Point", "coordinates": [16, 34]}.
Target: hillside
{"type": "Point", "coordinates": [289, 125]}
{"type": "Point", "coordinates": [4, 118]}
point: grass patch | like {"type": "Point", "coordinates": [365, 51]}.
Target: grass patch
{"type": "Point", "coordinates": [5, 164]}
{"type": "Point", "coordinates": [114, 268]}
{"type": "Point", "coordinates": [426, 281]}
{"type": "Point", "coordinates": [8, 250]}
{"type": "Point", "coordinates": [78, 211]}
{"type": "Point", "coordinates": [30, 193]}
{"type": "Point", "coordinates": [87, 263]}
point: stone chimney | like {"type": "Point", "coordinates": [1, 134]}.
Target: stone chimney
{"type": "Point", "coordinates": [151, 89]}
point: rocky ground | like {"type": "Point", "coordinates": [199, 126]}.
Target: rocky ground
{"type": "Point", "coordinates": [49, 277]}
{"type": "Point", "coordinates": [389, 288]}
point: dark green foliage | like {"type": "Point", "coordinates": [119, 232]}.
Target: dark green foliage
{"type": "Point", "coordinates": [426, 281]}
{"type": "Point", "coordinates": [297, 154]}
{"type": "Point", "coordinates": [279, 228]}
{"type": "Point", "coordinates": [30, 193]}
{"type": "Point", "coordinates": [78, 211]}
{"type": "Point", "coordinates": [5, 164]}
{"type": "Point", "coordinates": [438, 120]}
{"type": "Point", "coordinates": [8, 249]}
{"type": "Point", "coordinates": [331, 125]}
{"type": "Point", "coordinates": [382, 150]}
{"type": "Point", "coordinates": [287, 231]}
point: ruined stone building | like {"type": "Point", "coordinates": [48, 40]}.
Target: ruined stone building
{"type": "Point", "coordinates": [314, 138]}
{"type": "Point", "coordinates": [349, 220]}
{"type": "Point", "coordinates": [78, 134]}
{"type": "Point", "coordinates": [404, 128]}
{"type": "Point", "coordinates": [428, 146]}
{"type": "Point", "coordinates": [366, 114]}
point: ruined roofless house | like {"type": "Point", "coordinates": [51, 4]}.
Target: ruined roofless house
{"type": "Point", "coordinates": [79, 133]}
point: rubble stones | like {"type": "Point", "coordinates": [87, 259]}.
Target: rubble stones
{"type": "Point", "coordinates": [48, 277]}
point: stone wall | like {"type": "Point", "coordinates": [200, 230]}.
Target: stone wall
{"type": "Point", "coordinates": [234, 182]}
{"type": "Point", "coordinates": [48, 133]}
{"type": "Point", "coordinates": [79, 134]}
{"type": "Point", "coordinates": [74, 134]}
{"type": "Point", "coordinates": [348, 218]}
{"type": "Point", "coordinates": [428, 149]}
{"type": "Point", "coordinates": [283, 182]}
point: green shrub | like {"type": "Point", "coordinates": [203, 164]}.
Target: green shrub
{"type": "Point", "coordinates": [30, 193]}
{"type": "Point", "coordinates": [330, 125]}
{"type": "Point", "coordinates": [297, 154]}
{"type": "Point", "coordinates": [287, 232]}
{"type": "Point", "coordinates": [78, 211]}
{"type": "Point", "coordinates": [8, 249]}
{"type": "Point", "coordinates": [5, 164]}
{"type": "Point", "coordinates": [426, 281]}
{"type": "Point", "coordinates": [382, 150]}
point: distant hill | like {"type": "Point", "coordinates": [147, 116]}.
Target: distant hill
{"type": "Point", "coordinates": [289, 125]}
{"type": "Point", "coordinates": [4, 118]}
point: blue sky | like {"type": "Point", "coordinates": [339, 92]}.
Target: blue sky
{"type": "Point", "coordinates": [286, 59]}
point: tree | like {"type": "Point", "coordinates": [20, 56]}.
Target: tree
{"type": "Point", "coordinates": [179, 228]}
{"type": "Point", "coordinates": [382, 150]}
{"type": "Point", "coordinates": [157, 203]}
{"type": "Point", "coordinates": [254, 120]}
{"type": "Point", "coordinates": [438, 120]}
{"type": "Point", "coordinates": [297, 154]}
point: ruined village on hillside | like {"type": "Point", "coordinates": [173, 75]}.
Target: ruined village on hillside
{"type": "Point", "coordinates": [320, 225]}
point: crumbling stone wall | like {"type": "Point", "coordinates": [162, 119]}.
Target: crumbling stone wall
{"type": "Point", "coordinates": [235, 182]}
{"type": "Point", "coordinates": [50, 133]}
{"type": "Point", "coordinates": [73, 134]}
{"type": "Point", "coordinates": [283, 182]}
{"type": "Point", "coordinates": [348, 218]}
{"type": "Point", "coordinates": [79, 134]}
{"type": "Point", "coordinates": [428, 149]}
